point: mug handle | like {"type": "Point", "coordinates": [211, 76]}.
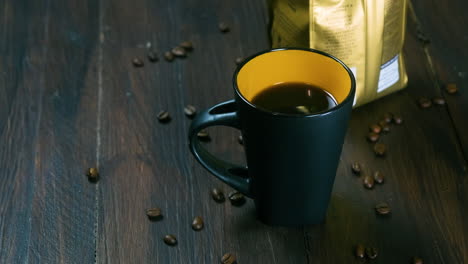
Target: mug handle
{"type": "Point", "coordinates": [223, 114]}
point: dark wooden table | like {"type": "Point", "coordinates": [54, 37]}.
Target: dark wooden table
{"type": "Point", "coordinates": [70, 99]}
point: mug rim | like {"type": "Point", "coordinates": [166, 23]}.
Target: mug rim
{"type": "Point", "coordinates": [276, 114]}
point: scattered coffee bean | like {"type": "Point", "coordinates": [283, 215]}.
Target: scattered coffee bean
{"type": "Point", "coordinates": [451, 88]}
{"type": "Point", "coordinates": [217, 195]}
{"type": "Point", "coordinates": [371, 252]}
{"type": "Point", "coordinates": [154, 214]}
{"type": "Point", "coordinates": [152, 56]}
{"type": "Point", "coordinates": [438, 100]}
{"type": "Point", "coordinates": [378, 177]}
{"type": "Point", "coordinates": [375, 128]}
{"type": "Point", "coordinates": [388, 117]}
{"type": "Point", "coordinates": [197, 223]}
{"type": "Point", "coordinates": [386, 128]}
{"type": "Point", "coordinates": [137, 62]}
{"type": "Point", "coordinates": [187, 45]}
{"type": "Point", "coordinates": [170, 240]}
{"type": "Point", "coordinates": [190, 111]}
{"type": "Point", "coordinates": [228, 258]}
{"type": "Point", "coordinates": [239, 60]}
{"type": "Point", "coordinates": [373, 137]}
{"type": "Point", "coordinates": [179, 52]}
{"type": "Point", "coordinates": [417, 260]}
{"type": "Point", "coordinates": [383, 209]}
{"type": "Point", "coordinates": [397, 119]}
{"type": "Point", "coordinates": [163, 116]}
{"type": "Point", "coordinates": [359, 251]}
{"type": "Point", "coordinates": [168, 56]}
{"type": "Point", "coordinates": [368, 182]}
{"type": "Point", "coordinates": [203, 135]}
{"type": "Point", "coordinates": [240, 139]}
{"type": "Point", "coordinates": [356, 168]}
{"type": "Point", "coordinates": [223, 27]}
{"type": "Point", "coordinates": [236, 198]}
{"type": "Point", "coordinates": [380, 149]}
{"type": "Point", "coordinates": [93, 174]}
{"type": "Point", "coordinates": [424, 102]}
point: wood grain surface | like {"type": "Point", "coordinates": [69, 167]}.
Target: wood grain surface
{"type": "Point", "coordinates": [70, 99]}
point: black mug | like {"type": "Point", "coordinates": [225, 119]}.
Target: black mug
{"type": "Point", "coordinates": [291, 159]}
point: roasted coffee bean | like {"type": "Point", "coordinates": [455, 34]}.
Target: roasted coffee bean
{"type": "Point", "coordinates": [368, 182]}
{"type": "Point", "coordinates": [137, 62]}
{"type": "Point", "coordinates": [240, 139]}
{"type": "Point", "coordinates": [424, 102]}
{"type": "Point", "coordinates": [190, 111]}
{"type": "Point", "coordinates": [375, 128]}
{"type": "Point", "coordinates": [378, 177]}
{"type": "Point", "coordinates": [451, 88]}
{"type": "Point", "coordinates": [371, 252]}
{"type": "Point", "coordinates": [373, 137]}
{"type": "Point", "coordinates": [203, 135]}
{"type": "Point", "coordinates": [388, 117]}
{"type": "Point", "coordinates": [152, 56]}
{"type": "Point", "coordinates": [163, 116]}
{"type": "Point", "coordinates": [356, 168]}
{"type": "Point", "coordinates": [168, 56]}
{"type": "Point", "coordinates": [438, 100]}
{"type": "Point", "coordinates": [197, 223]}
{"type": "Point", "coordinates": [383, 209]}
{"type": "Point", "coordinates": [380, 149]}
{"type": "Point", "coordinates": [236, 198]}
{"type": "Point", "coordinates": [359, 251]}
{"type": "Point", "coordinates": [417, 260]}
{"type": "Point", "coordinates": [217, 195]}
{"type": "Point", "coordinates": [179, 52]}
{"type": "Point", "coordinates": [386, 128]}
{"type": "Point", "coordinates": [223, 27]}
{"type": "Point", "coordinates": [170, 240]}
{"type": "Point", "coordinates": [228, 258]}
{"type": "Point", "coordinates": [154, 214]}
{"type": "Point", "coordinates": [239, 60]}
{"type": "Point", "coordinates": [93, 174]}
{"type": "Point", "coordinates": [397, 119]}
{"type": "Point", "coordinates": [187, 45]}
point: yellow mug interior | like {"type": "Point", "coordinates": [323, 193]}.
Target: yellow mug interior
{"type": "Point", "coordinates": [294, 65]}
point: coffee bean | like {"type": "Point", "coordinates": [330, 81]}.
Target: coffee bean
{"type": "Point", "coordinates": [424, 102]}
{"type": "Point", "coordinates": [168, 56]}
{"type": "Point", "coordinates": [417, 260]}
{"type": "Point", "coordinates": [375, 128]}
{"type": "Point", "coordinates": [239, 60]}
{"type": "Point", "coordinates": [356, 168]}
{"type": "Point", "coordinates": [236, 198]}
{"type": "Point", "coordinates": [383, 209]}
{"type": "Point", "coordinates": [228, 258]}
{"type": "Point", "coordinates": [380, 149]}
{"type": "Point", "coordinates": [137, 62]}
{"type": "Point", "coordinates": [152, 56]}
{"type": "Point", "coordinates": [190, 111]}
{"type": "Point", "coordinates": [368, 182]}
{"type": "Point", "coordinates": [203, 135]}
{"type": "Point", "coordinates": [223, 27]}
{"type": "Point", "coordinates": [388, 117]}
{"type": "Point", "coordinates": [373, 137]}
{"type": "Point", "coordinates": [386, 128]}
{"type": "Point", "coordinates": [240, 139]}
{"type": "Point", "coordinates": [163, 116]}
{"type": "Point", "coordinates": [359, 251]}
{"type": "Point", "coordinates": [371, 252]}
{"type": "Point", "coordinates": [179, 52]}
{"type": "Point", "coordinates": [197, 223]}
{"type": "Point", "coordinates": [438, 100]}
{"type": "Point", "coordinates": [451, 88]}
{"type": "Point", "coordinates": [170, 240]}
{"type": "Point", "coordinates": [397, 119]}
{"type": "Point", "coordinates": [217, 195]}
{"type": "Point", "coordinates": [154, 214]}
{"type": "Point", "coordinates": [93, 174]}
{"type": "Point", "coordinates": [187, 45]}
{"type": "Point", "coordinates": [378, 177]}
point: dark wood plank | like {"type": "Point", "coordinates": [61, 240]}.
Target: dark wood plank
{"type": "Point", "coordinates": [444, 23]}
{"type": "Point", "coordinates": [145, 163]}
{"type": "Point", "coordinates": [425, 182]}
{"type": "Point", "coordinates": [63, 205]}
